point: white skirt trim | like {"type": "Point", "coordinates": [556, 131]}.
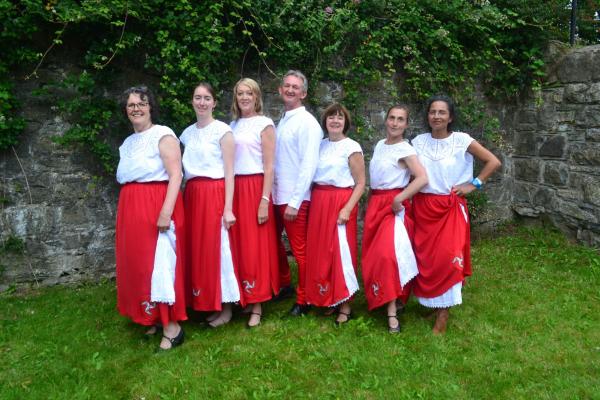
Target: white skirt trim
{"type": "Point", "coordinates": [405, 257]}
{"type": "Point", "coordinates": [230, 291]}
{"type": "Point", "coordinates": [347, 267]}
{"type": "Point", "coordinates": [452, 297]}
{"type": "Point", "coordinates": [162, 286]}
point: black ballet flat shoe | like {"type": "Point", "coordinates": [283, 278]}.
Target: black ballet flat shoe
{"type": "Point", "coordinates": [395, 329]}
{"type": "Point", "coordinates": [348, 318]}
{"type": "Point", "coordinates": [298, 310]}
{"type": "Point", "coordinates": [259, 321]}
{"type": "Point", "coordinates": [176, 341]}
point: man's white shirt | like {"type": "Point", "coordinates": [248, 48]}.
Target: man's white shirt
{"type": "Point", "coordinates": [296, 156]}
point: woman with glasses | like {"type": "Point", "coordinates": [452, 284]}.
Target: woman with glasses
{"type": "Point", "coordinates": [254, 237]}
{"type": "Point", "coordinates": [150, 231]}
{"type": "Point", "coordinates": [442, 234]}
{"type": "Point", "coordinates": [208, 164]}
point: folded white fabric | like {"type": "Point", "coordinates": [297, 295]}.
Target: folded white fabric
{"type": "Point", "coordinates": [163, 276]}
{"type": "Point", "coordinates": [405, 257]}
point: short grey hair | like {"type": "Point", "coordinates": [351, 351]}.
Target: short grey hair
{"type": "Point", "coordinates": [299, 75]}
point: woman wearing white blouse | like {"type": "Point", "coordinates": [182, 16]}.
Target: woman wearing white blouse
{"type": "Point", "coordinates": [388, 261]}
{"type": "Point", "coordinates": [150, 222]}
{"type": "Point", "coordinates": [208, 164]}
{"type": "Point", "coordinates": [339, 182]}
{"type": "Point", "coordinates": [442, 237]}
{"type": "Point", "coordinates": [254, 238]}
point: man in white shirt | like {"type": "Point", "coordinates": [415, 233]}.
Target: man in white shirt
{"type": "Point", "coordinates": [296, 156]}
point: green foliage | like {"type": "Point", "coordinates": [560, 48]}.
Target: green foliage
{"type": "Point", "coordinates": [415, 47]}
{"type": "Point", "coordinates": [477, 201]}
{"type": "Point", "coordinates": [11, 125]}
{"type": "Point", "coordinates": [88, 123]}
{"type": "Point", "coordinates": [13, 245]}
{"type": "Point", "coordinates": [528, 329]}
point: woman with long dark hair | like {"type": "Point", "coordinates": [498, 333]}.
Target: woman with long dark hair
{"type": "Point", "coordinates": [442, 233]}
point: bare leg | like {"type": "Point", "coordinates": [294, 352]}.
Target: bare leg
{"type": "Point", "coordinates": [255, 315]}
{"type": "Point", "coordinates": [344, 314]}
{"type": "Point", "coordinates": [393, 322]}
{"type": "Point", "coordinates": [439, 328]}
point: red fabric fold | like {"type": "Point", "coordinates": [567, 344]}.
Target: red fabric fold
{"type": "Point", "coordinates": [442, 243]}
{"type": "Point", "coordinates": [136, 235]}
{"type": "Point", "coordinates": [379, 263]}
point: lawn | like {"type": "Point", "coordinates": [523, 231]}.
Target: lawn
{"type": "Point", "coordinates": [529, 328]}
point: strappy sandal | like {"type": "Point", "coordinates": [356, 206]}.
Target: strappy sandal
{"type": "Point", "coordinates": [395, 329]}
{"type": "Point", "coordinates": [348, 318]}
{"type": "Point", "coordinates": [176, 341]}
{"type": "Point", "coordinates": [259, 320]}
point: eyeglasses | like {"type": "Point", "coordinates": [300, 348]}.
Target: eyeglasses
{"type": "Point", "coordinates": [133, 106]}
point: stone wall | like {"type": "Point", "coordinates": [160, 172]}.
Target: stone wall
{"type": "Point", "coordinates": [54, 202]}
{"type": "Point", "coordinates": [555, 157]}
{"type": "Point", "coordinates": [59, 206]}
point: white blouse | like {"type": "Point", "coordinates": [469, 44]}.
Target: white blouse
{"type": "Point", "coordinates": [248, 144]}
{"type": "Point", "coordinates": [446, 161]}
{"type": "Point", "coordinates": [140, 158]}
{"type": "Point", "coordinates": [384, 169]}
{"type": "Point", "coordinates": [334, 168]}
{"type": "Point", "coordinates": [202, 155]}
{"type": "Point", "coordinates": [299, 136]}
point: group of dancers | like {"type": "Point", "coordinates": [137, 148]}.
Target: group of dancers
{"type": "Point", "coordinates": [220, 243]}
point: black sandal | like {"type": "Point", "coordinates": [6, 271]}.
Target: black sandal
{"type": "Point", "coordinates": [176, 341]}
{"type": "Point", "coordinates": [396, 329]}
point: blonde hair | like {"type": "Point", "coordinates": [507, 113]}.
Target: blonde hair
{"type": "Point", "coordinates": [253, 85]}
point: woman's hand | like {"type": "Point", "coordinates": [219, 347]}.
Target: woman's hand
{"type": "Point", "coordinates": [343, 216]}
{"type": "Point", "coordinates": [164, 222]}
{"type": "Point", "coordinates": [228, 219]}
{"type": "Point", "coordinates": [463, 189]}
{"type": "Point", "coordinates": [397, 205]}
{"type": "Point", "coordinates": [263, 211]}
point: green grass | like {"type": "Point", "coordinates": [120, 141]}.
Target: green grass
{"type": "Point", "coordinates": [529, 328]}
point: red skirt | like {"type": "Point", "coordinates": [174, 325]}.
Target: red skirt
{"type": "Point", "coordinates": [204, 201]}
{"type": "Point", "coordinates": [380, 270]}
{"type": "Point", "coordinates": [254, 245]}
{"type": "Point", "coordinates": [136, 235]}
{"type": "Point", "coordinates": [330, 258]}
{"type": "Point", "coordinates": [442, 243]}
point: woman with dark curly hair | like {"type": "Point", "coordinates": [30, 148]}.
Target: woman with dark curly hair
{"type": "Point", "coordinates": [150, 231]}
